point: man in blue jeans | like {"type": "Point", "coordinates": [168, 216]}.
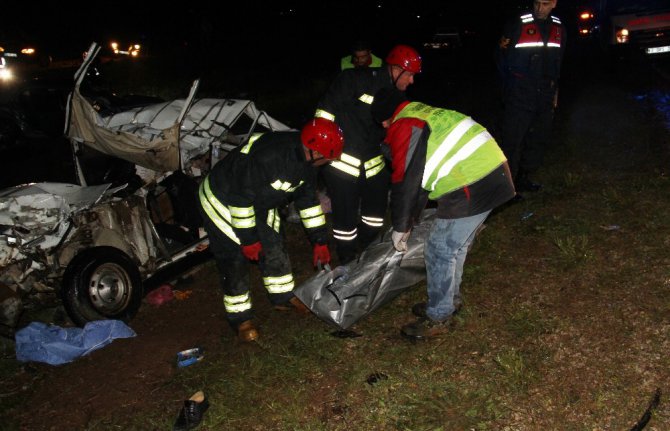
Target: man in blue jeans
{"type": "Point", "coordinates": [447, 157]}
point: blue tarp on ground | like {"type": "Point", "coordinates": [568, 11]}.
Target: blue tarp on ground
{"type": "Point", "coordinates": [55, 345]}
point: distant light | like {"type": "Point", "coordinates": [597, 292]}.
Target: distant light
{"type": "Point", "coordinates": [418, 17]}
{"type": "Point", "coordinates": [585, 15]}
{"type": "Point", "coordinates": [5, 74]}
{"type": "Point", "coordinates": [28, 51]}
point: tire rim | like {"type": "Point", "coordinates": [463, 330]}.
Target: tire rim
{"type": "Point", "coordinates": [109, 289]}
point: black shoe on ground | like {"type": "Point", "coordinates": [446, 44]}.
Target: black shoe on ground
{"type": "Point", "coordinates": [425, 328]}
{"type": "Point", "coordinates": [190, 415]}
{"type": "Point", "coordinates": [419, 309]}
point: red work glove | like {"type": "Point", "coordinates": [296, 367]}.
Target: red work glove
{"type": "Point", "coordinates": [322, 254]}
{"type": "Point", "coordinates": [252, 251]}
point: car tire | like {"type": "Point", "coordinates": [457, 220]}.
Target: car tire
{"type": "Point", "coordinates": [102, 283]}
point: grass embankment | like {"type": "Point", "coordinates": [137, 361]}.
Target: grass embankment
{"type": "Point", "coordinates": [566, 324]}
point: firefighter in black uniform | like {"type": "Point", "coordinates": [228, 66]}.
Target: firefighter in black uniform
{"type": "Point", "coordinates": [529, 59]}
{"type": "Point", "coordinates": [358, 183]}
{"type": "Point", "coordinates": [239, 199]}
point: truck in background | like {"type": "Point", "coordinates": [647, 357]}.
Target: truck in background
{"type": "Point", "coordinates": [627, 27]}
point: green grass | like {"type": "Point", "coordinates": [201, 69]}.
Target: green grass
{"type": "Point", "coordinates": [565, 324]}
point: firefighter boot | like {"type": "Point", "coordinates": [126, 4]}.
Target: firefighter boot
{"type": "Point", "coordinates": [247, 332]}
{"type": "Point", "coordinates": [294, 304]}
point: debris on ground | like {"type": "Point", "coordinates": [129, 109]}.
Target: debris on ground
{"type": "Point", "coordinates": [55, 345]}
{"type": "Point", "coordinates": [189, 357]}
{"type": "Point", "coordinates": [376, 378]}
{"type": "Point", "coordinates": [160, 295]}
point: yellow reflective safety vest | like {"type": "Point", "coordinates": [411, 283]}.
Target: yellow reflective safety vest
{"type": "Point", "coordinates": [460, 151]}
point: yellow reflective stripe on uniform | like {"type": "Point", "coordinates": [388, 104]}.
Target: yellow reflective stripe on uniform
{"type": "Point", "coordinates": [281, 284]}
{"type": "Point", "coordinates": [218, 206]}
{"type": "Point", "coordinates": [244, 223]}
{"type": "Point", "coordinates": [351, 160]}
{"type": "Point", "coordinates": [292, 189]}
{"type": "Point", "coordinates": [241, 211]}
{"type": "Point", "coordinates": [243, 217]}
{"type": "Point", "coordinates": [449, 142]}
{"type": "Point", "coordinates": [252, 139]}
{"type": "Point", "coordinates": [462, 154]}
{"type": "Point", "coordinates": [285, 186]}
{"type": "Point", "coordinates": [366, 98]}
{"type": "Point", "coordinates": [345, 168]}
{"type": "Point", "coordinates": [374, 166]}
{"type": "Point", "coordinates": [273, 220]}
{"type": "Point", "coordinates": [237, 304]}
{"type": "Point", "coordinates": [313, 222]}
{"type": "Point", "coordinates": [311, 212]}
{"type": "Point", "coordinates": [320, 113]}
{"type": "Point", "coordinates": [211, 207]}
{"type": "Point", "coordinates": [312, 217]}
{"type": "Point", "coordinates": [372, 221]}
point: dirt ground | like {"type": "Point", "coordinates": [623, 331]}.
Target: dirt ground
{"type": "Point", "coordinates": [134, 376]}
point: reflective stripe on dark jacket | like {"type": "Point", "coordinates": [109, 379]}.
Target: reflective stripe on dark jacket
{"type": "Point", "coordinates": [347, 102]}
{"type": "Point", "coordinates": [255, 179]}
{"type": "Point", "coordinates": [535, 50]}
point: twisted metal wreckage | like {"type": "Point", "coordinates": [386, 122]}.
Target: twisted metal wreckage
{"type": "Point", "coordinates": [92, 245]}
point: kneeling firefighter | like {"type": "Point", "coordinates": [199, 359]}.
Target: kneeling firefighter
{"type": "Point", "coordinates": [239, 199]}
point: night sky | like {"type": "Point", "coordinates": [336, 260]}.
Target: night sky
{"type": "Point", "coordinates": [265, 27]}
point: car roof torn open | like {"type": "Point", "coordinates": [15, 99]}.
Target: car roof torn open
{"type": "Point", "coordinates": [164, 136]}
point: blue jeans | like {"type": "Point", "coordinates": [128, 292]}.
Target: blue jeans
{"type": "Point", "coordinates": [445, 252]}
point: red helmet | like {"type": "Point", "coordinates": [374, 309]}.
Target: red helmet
{"type": "Point", "coordinates": [323, 136]}
{"type": "Point", "coordinates": [405, 57]}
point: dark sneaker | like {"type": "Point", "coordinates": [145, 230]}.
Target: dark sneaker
{"type": "Point", "coordinates": [425, 328]}
{"type": "Point", "coordinates": [294, 304]}
{"type": "Point", "coordinates": [191, 414]}
{"type": "Point", "coordinates": [247, 332]}
{"type": "Point", "coordinates": [419, 309]}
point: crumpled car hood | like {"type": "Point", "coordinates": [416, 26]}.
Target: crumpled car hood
{"type": "Point", "coordinates": [36, 214]}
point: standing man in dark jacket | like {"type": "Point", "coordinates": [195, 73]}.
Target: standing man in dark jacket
{"type": "Point", "coordinates": [529, 58]}
{"type": "Point", "coordinates": [358, 183]}
{"type": "Point", "coordinates": [447, 157]}
{"type": "Point", "coordinates": [239, 200]}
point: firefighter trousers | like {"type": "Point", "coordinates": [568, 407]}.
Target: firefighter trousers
{"type": "Point", "coordinates": [234, 269]}
{"type": "Point", "coordinates": [358, 208]}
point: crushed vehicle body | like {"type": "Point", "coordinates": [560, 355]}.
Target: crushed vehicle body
{"type": "Point", "coordinates": [350, 292]}
{"type": "Point", "coordinates": [92, 245]}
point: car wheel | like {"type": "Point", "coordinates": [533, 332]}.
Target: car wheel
{"type": "Point", "coordinates": [9, 134]}
{"type": "Point", "coordinates": [102, 283]}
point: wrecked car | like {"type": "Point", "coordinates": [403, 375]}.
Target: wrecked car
{"type": "Point", "coordinates": [92, 245]}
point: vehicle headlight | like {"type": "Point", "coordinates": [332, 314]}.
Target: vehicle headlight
{"type": "Point", "coordinates": [28, 51]}
{"type": "Point", "coordinates": [622, 35]}
{"type": "Point", "coordinates": [5, 74]}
